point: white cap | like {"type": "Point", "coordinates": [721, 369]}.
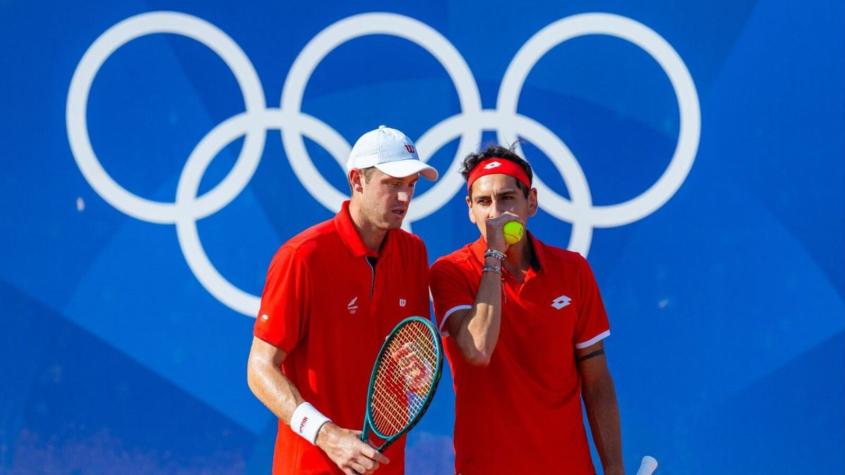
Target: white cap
{"type": "Point", "coordinates": [390, 151]}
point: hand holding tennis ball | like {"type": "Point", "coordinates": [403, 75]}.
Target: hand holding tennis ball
{"type": "Point", "coordinates": [513, 231]}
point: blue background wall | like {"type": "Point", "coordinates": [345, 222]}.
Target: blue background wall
{"type": "Point", "coordinates": [121, 353]}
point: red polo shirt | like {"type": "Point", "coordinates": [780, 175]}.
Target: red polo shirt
{"type": "Point", "coordinates": [330, 310]}
{"type": "Point", "coordinates": [522, 412]}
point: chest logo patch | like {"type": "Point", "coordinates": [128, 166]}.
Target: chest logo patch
{"type": "Point", "coordinates": [561, 302]}
{"type": "Point", "coordinates": [402, 302]}
{"type": "Point", "coordinates": [352, 306]}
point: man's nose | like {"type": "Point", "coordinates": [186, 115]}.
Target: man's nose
{"type": "Point", "coordinates": [496, 210]}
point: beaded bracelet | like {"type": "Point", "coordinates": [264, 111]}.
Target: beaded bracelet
{"type": "Point", "coordinates": [494, 254]}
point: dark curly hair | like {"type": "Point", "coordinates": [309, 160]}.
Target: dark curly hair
{"type": "Point", "coordinates": [497, 151]}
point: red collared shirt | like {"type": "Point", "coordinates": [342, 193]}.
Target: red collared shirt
{"type": "Point", "coordinates": [330, 310]}
{"type": "Point", "coordinates": [522, 412]}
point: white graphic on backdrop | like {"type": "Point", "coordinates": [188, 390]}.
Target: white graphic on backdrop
{"type": "Point", "coordinates": [257, 119]}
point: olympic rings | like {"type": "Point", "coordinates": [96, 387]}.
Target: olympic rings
{"type": "Point", "coordinates": [257, 119]}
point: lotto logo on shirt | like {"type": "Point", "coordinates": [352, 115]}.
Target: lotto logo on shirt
{"type": "Point", "coordinates": [561, 302]}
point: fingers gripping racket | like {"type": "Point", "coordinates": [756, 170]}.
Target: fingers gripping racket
{"type": "Point", "coordinates": [403, 382]}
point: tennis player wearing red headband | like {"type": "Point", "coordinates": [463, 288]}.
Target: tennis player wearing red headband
{"type": "Point", "coordinates": [523, 328]}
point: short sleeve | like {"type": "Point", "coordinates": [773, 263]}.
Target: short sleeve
{"type": "Point", "coordinates": [592, 325]}
{"type": "Point", "coordinates": [450, 290]}
{"type": "Point", "coordinates": [283, 314]}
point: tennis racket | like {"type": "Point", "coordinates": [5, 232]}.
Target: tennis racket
{"type": "Point", "coordinates": [648, 465]}
{"type": "Point", "coordinates": [403, 382]}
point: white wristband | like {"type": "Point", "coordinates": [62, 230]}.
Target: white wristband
{"type": "Point", "coordinates": [306, 421]}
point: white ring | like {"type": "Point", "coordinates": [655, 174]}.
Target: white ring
{"type": "Point", "coordinates": [668, 59]}
{"type": "Point", "coordinates": [189, 182]}
{"type": "Point", "coordinates": [77, 110]}
{"type": "Point", "coordinates": [374, 24]}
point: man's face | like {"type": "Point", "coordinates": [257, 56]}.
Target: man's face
{"type": "Point", "coordinates": [495, 194]}
{"type": "Point", "coordinates": [385, 199]}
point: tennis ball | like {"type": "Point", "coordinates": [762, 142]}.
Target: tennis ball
{"type": "Point", "coordinates": [513, 231]}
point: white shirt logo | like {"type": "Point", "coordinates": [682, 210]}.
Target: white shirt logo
{"type": "Point", "coordinates": [492, 165]}
{"type": "Point", "coordinates": [402, 302]}
{"type": "Point", "coordinates": [352, 306]}
{"type": "Point", "coordinates": [561, 302]}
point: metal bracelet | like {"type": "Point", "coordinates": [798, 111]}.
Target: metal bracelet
{"type": "Point", "coordinates": [494, 254]}
{"type": "Point", "coordinates": [489, 268]}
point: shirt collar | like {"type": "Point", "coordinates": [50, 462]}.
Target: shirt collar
{"type": "Point", "coordinates": [349, 234]}
{"type": "Point", "coordinates": [479, 247]}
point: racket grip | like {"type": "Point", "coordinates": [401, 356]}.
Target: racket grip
{"type": "Point", "coordinates": [647, 466]}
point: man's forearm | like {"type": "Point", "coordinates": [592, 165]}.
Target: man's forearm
{"type": "Point", "coordinates": [269, 385]}
{"type": "Point", "coordinates": [485, 318]}
{"type": "Point", "coordinates": [603, 414]}
{"type": "Point", "coordinates": [276, 392]}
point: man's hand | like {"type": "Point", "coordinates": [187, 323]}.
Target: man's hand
{"type": "Point", "coordinates": [347, 451]}
{"type": "Point", "coordinates": [495, 235]}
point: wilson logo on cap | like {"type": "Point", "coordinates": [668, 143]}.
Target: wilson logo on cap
{"type": "Point", "coordinates": [410, 148]}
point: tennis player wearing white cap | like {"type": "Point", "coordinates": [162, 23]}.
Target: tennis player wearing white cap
{"type": "Point", "coordinates": [332, 294]}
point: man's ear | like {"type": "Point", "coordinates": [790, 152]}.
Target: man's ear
{"type": "Point", "coordinates": [356, 180]}
{"type": "Point", "coordinates": [469, 209]}
{"type": "Point", "coordinates": [533, 204]}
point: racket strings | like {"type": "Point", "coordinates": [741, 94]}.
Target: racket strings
{"type": "Point", "coordinates": [404, 377]}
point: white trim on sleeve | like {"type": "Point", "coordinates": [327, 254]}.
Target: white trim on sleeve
{"type": "Point", "coordinates": [448, 313]}
{"type": "Point", "coordinates": [592, 341]}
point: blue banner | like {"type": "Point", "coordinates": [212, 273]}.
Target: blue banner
{"type": "Point", "coordinates": [156, 154]}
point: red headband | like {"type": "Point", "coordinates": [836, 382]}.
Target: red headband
{"type": "Point", "coordinates": [495, 166]}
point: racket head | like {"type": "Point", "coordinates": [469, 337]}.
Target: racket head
{"type": "Point", "coordinates": [404, 379]}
